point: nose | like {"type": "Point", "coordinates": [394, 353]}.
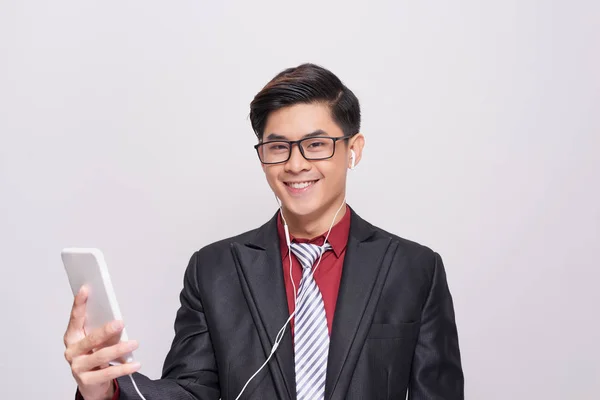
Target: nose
{"type": "Point", "coordinates": [297, 163]}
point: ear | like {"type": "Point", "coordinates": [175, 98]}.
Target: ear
{"type": "Point", "coordinates": [357, 143]}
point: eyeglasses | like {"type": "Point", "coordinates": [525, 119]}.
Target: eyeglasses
{"type": "Point", "coordinates": [311, 148]}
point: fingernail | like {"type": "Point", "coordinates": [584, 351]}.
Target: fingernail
{"type": "Point", "coordinates": [136, 365]}
{"type": "Point", "coordinates": [116, 325]}
{"type": "Point", "coordinates": [132, 345]}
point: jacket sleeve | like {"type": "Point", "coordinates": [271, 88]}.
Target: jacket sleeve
{"type": "Point", "coordinates": [190, 369]}
{"type": "Point", "coordinates": [436, 370]}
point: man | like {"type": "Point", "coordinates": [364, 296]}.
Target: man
{"type": "Point", "coordinates": [372, 315]}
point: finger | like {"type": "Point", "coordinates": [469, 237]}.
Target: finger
{"type": "Point", "coordinates": [107, 374]}
{"type": "Point", "coordinates": [77, 317]}
{"type": "Point", "coordinates": [105, 336]}
{"type": "Point", "coordinates": [102, 357]}
{"type": "Point", "coordinates": [99, 337]}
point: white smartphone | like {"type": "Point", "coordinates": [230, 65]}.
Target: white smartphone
{"type": "Point", "coordinates": [86, 266]}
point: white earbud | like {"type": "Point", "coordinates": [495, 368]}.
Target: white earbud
{"type": "Point", "coordinates": [352, 159]}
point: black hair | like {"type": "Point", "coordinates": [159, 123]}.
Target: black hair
{"type": "Point", "coordinates": [306, 83]}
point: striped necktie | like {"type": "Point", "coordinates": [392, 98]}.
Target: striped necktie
{"type": "Point", "coordinates": [311, 335]}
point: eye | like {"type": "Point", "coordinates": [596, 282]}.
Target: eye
{"type": "Point", "coordinates": [316, 144]}
{"type": "Point", "coordinates": [276, 147]}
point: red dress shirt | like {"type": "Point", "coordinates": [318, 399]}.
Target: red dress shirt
{"type": "Point", "coordinates": [327, 276]}
{"type": "Point", "coordinates": [329, 272]}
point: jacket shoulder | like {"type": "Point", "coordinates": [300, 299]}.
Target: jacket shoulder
{"type": "Point", "coordinates": [212, 261]}
{"type": "Point", "coordinates": [414, 252]}
{"type": "Point", "coordinates": [223, 246]}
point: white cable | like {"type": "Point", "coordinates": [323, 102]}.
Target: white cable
{"type": "Point", "coordinates": [281, 332]}
{"type": "Point", "coordinates": [136, 388]}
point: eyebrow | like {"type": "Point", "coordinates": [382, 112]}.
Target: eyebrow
{"type": "Point", "coordinates": [318, 132]}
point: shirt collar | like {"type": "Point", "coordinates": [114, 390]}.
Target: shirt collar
{"type": "Point", "coordinates": [338, 238]}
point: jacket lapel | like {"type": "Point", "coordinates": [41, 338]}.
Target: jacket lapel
{"type": "Point", "coordinates": [261, 275]}
{"type": "Point", "coordinates": [363, 274]}
{"type": "Point", "coordinates": [367, 260]}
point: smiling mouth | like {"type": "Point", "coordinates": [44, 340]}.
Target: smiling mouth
{"type": "Point", "coordinates": [300, 185]}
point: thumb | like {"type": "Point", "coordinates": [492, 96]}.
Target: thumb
{"type": "Point", "coordinates": [74, 331]}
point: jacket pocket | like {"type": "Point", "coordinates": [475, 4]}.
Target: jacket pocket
{"type": "Point", "coordinates": [389, 351]}
{"type": "Point", "coordinates": [392, 331]}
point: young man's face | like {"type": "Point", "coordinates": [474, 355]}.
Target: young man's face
{"type": "Point", "coordinates": [308, 188]}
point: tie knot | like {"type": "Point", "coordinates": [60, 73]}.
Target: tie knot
{"type": "Point", "coordinates": [308, 253]}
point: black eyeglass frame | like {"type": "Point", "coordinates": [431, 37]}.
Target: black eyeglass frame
{"type": "Point", "coordinates": [298, 143]}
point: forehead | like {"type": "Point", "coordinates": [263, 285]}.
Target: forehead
{"type": "Point", "coordinates": [295, 121]}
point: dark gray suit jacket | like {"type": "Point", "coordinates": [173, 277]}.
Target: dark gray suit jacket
{"type": "Point", "coordinates": [393, 328]}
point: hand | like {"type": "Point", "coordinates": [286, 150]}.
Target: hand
{"type": "Point", "coordinates": [89, 355]}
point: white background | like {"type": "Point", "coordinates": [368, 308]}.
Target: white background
{"type": "Point", "coordinates": [123, 125]}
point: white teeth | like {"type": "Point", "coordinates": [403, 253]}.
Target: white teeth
{"type": "Point", "coordinates": [300, 185]}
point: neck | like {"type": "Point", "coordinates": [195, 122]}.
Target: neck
{"type": "Point", "coordinates": [315, 224]}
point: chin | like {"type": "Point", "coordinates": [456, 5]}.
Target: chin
{"type": "Point", "coordinates": [301, 207]}
{"type": "Point", "coordinates": [303, 210]}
